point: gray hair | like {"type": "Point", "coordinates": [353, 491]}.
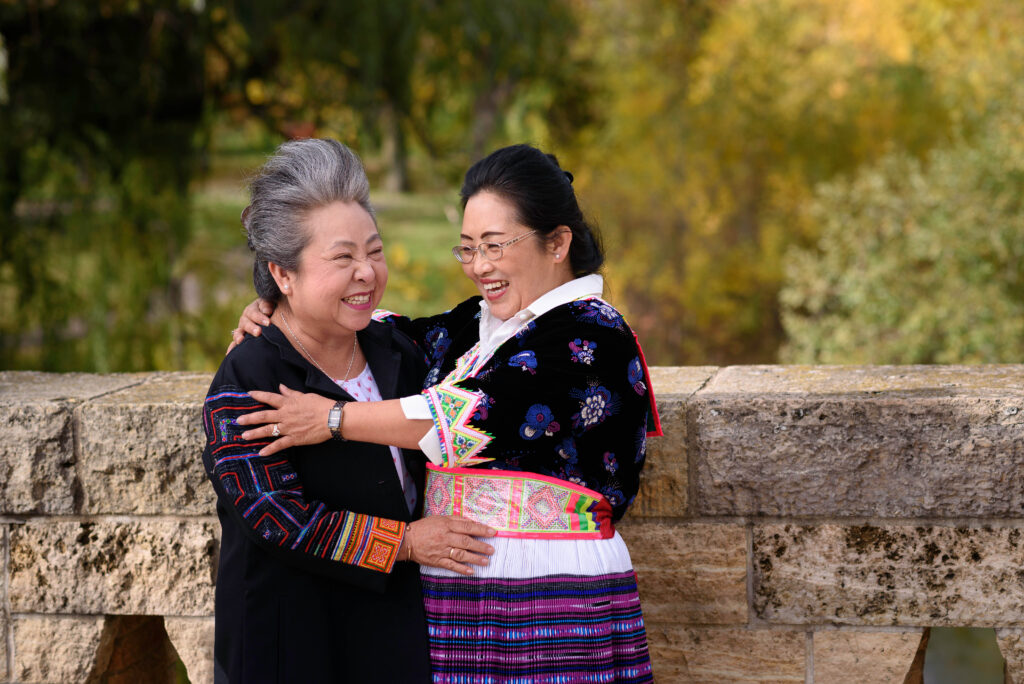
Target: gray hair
{"type": "Point", "coordinates": [301, 176]}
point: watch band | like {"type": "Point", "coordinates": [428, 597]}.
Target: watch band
{"type": "Point", "coordinates": [334, 420]}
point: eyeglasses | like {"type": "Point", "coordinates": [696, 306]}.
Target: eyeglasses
{"type": "Point", "coordinates": [491, 251]}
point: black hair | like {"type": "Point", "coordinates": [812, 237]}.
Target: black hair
{"type": "Point", "coordinates": [543, 197]}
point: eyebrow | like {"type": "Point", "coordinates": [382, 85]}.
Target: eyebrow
{"type": "Point", "coordinates": [490, 233]}
{"type": "Point", "coordinates": [350, 243]}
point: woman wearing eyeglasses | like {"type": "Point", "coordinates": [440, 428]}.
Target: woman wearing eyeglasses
{"type": "Point", "coordinates": [535, 417]}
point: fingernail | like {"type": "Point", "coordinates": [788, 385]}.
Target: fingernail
{"type": "Point", "coordinates": [266, 321]}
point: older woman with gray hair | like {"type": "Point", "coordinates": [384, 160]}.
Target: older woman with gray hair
{"type": "Point", "coordinates": [314, 582]}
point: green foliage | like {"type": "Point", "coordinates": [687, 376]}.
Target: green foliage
{"type": "Point", "coordinates": [722, 119]}
{"type": "Point", "coordinates": [918, 262]}
{"type": "Point", "coordinates": [96, 163]}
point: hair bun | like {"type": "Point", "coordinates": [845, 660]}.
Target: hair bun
{"type": "Point", "coordinates": [568, 175]}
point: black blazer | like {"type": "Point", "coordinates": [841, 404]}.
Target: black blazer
{"type": "Point", "coordinates": [308, 588]}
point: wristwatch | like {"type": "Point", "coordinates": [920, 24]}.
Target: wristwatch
{"type": "Point", "coordinates": [334, 420]}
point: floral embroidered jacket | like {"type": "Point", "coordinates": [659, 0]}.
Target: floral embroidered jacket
{"type": "Point", "coordinates": [567, 396]}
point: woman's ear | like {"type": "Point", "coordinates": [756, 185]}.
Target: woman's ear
{"type": "Point", "coordinates": [560, 243]}
{"type": "Point", "coordinates": [282, 277]}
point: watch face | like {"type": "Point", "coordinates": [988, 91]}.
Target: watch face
{"type": "Point", "coordinates": [334, 417]}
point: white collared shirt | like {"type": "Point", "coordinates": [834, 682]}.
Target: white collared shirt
{"type": "Point", "coordinates": [495, 332]}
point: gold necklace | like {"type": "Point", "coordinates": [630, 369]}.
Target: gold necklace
{"type": "Point", "coordinates": [351, 358]}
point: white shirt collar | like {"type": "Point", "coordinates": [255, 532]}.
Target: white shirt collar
{"type": "Point", "coordinates": [494, 331]}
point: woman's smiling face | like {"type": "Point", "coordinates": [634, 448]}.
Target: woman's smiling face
{"type": "Point", "coordinates": [527, 269]}
{"type": "Point", "coordinates": [342, 271]}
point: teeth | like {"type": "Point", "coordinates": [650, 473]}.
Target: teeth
{"type": "Point", "coordinates": [358, 299]}
{"type": "Point", "coordinates": [496, 286]}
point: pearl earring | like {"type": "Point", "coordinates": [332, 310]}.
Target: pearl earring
{"type": "Point", "coordinates": [557, 256]}
{"type": "Point", "coordinates": [284, 287]}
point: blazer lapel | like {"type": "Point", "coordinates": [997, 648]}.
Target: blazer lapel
{"type": "Point", "coordinates": [385, 361]}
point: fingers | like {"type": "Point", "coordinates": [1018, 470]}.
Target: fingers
{"type": "Point", "coordinates": [277, 445]}
{"type": "Point", "coordinates": [269, 398]}
{"type": "Point", "coordinates": [470, 527]}
{"type": "Point", "coordinates": [265, 307]}
{"type": "Point", "coordinates": [462, 556]}
{"type": "Point", "coordinates": [258, 418]}
{"type": "Point", "coordinates": [472, 545]}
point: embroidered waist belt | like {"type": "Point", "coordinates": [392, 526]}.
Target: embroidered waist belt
{"type": "Point", "coordinates": [517, 504]}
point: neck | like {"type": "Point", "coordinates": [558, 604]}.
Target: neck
{"type": "Point", "coordinates": [334, 354]}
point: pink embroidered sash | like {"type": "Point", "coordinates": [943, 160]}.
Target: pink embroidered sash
{"type": "Point", "coordinates": [517, 504]}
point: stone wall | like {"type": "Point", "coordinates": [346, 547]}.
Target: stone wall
{"type": "Point", "coordinates": [795, 524]}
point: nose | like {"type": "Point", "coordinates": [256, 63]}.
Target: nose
{"type": "Point", "coordinates": [481, 265]}
{"type": "Point", "coordinates": [364, 271]}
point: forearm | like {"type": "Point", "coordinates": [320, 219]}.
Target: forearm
{"type": "Point", "coordinates": [382, 422]}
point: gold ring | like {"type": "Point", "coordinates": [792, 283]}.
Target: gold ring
{"type": "Point", "coordinates": [276, 432]}
{"type": "Point", "coordinates": [451, 553]}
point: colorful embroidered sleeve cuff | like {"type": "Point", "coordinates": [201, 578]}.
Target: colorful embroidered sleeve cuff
{"type": "Point", "coordinates": [266, 493]}
{"type": "Point", "coordinates": [452, 408]}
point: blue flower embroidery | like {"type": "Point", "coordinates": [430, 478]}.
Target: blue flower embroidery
{"type": "Point", "coordinates": [610, 463]}
{"type": "Point", "coordinates": [596, 311]}
{"type": "Point", "coordinates": [438, 340]}
{"type": "Point", "coordinates": [432, 376]}
{"type": "Point", "coordinates": [582, 351]}
{"type": "Point", "coordinates": [539, 422]}
{"type": "Point", "coordinates": [526, 360]}
{"type": "Point", "coordinates": [641, 445]}
{"type": "Point", "coordinates": [525, 331]}
{"type": "Point", "coordinates": [614, 496]}
{"type": "Point", "coordinates": [635, 373]}
{"type": "Point", "coordinates": [486, 402]}
{"type": "Point", "coordinates": [596, 404]}
{"type": "Point", "coordinates": [567, 450]}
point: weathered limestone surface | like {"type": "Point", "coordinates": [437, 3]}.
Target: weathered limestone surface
{"type": "Point", "coordinates": [692, 573]}
{"type": "Point", "coordinates": [150, 567]}
{"type": "Point", "coordinates": [5, 623]}
{"type": "Point", "coordinates": [890, 575]}
{"type": "Point", "coordinates": [1011, 644]}
{"type": "Point", "coordinates": [902, 441]}
{"type": "Point", "coordinates": [855, 657]}
{"type": "Point", "coordinates": [55, 648]}
{"type": "Point", "coordinates": [709, 655]}
{"type": "Point", "coordinates": [664, 482]}
{"type": "Point", "coordinates": [193, 640]}
{"type": "Point", "coordinates": [37, 456]}
{"type": "Point", "coordinates": [140, 448]}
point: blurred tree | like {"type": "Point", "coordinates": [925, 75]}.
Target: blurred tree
{"type": "Point", "coordinates": [102, 124]}
{"type": "Point", "coordinates": [720, 119]}
{"type": "Point", "coordinates": [917, 262]}
{"type": "Point", "coordinates": [441, 74]}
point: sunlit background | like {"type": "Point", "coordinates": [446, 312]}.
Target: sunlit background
{"type": "Point", "coordinates": [777, 181]}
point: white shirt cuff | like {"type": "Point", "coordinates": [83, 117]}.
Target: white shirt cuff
{"type": "Point", "coordinates": [417, 408]}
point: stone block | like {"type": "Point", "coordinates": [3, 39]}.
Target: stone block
{"type": "Point", "coordinates": [854, 657]}
{"type": "Point", "coordinates": [664, 481]}
{"type": "Point", "coordinates": [193, 640]}
{"type": "Point", "coordinates": [141, 448]}
{"type": "Point", "coordinates": [55, 648]}
{"type": "Point", "coordinates": [710, 655]}
{"type": "Point", "coordinates": [690, 572]}
{"type": "Point", "coordinates": [37, 454]}
{"type": "Point", "coordinates": [137, 567]}
{"type": "Point", "coordinates": [883, 441]}
{"type": "Point", "coordinates": [1011, 645]}
{"type": "Point", "coordinates": [889, 575]}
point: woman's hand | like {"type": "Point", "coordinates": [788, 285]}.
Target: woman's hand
{"type": "Point", "coordinates": [297, 417]}
{"type": "Point", "coordinates": [253, 316]}
{"type": "Point", "coordinates": [446, 541]}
